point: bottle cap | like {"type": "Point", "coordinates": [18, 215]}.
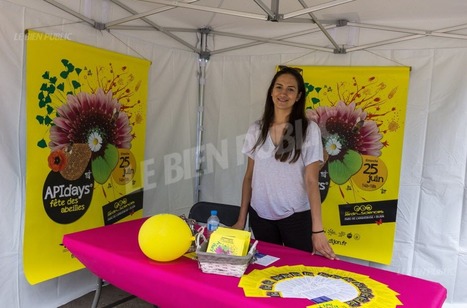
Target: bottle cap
{"type": "Point", "coordinates": [213, 212]}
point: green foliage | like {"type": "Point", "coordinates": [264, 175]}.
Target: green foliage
{"type": "Point", "coordinates": [42, 144]}
{"type": "Point", "coordinates": [56, 87]}
{"type": "Point", "coordinates": [314, 98]}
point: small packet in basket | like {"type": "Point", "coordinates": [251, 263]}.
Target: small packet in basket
{"type": "Point", "coordinates": [228, 241]}
{"type": "Point", "coordinates": [222, 264]}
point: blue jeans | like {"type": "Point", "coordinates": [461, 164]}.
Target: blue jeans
{"type": "Point", "coordinates": [293, 231]}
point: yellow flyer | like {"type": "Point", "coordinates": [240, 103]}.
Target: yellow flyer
{"type": "Point", "coordinates": [361, 114]}
{"type": "Point", "coordinates": [324, 287]}
{"type": "Point", "coordinates": [85, 112]}
{"type": "Point", "coordinates": [229, 241]}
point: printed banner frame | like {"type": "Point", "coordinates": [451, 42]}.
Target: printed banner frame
{"type": "Point", "coordinates": [85, 139]}
{"type": "Point", "coordinates": [361, 114]}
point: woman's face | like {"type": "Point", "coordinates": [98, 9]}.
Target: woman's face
{"type": "Point", "coordinates": [285, 92]}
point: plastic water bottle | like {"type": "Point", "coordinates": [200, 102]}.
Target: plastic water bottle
{"type": "Point", "coordinates": [213, 222]}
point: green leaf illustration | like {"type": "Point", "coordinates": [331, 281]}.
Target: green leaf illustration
{"type": "Point", "coordinates": [50, 109]}
{"type": "Point", "coordinates": [42, 144]}
{"type": "Point", "coordinates": [308, 88]}
{"type": "Point", "coordinates": [48, 120]}
{"type": "Point", "coordinates": [315, 100]}
{"type": "Point", "coordinates": [51, 89]}
{"type": "Point", "coordinates": [75, 84]}
{"type": "Point", "coordinates": [61, 86]}
{"type": "Point", "coordinates": [340, 171]}
{"type": "Point", "coordinates": [42, 103]}
{"type": "Point", "coordinates": [40, 119]}
{"type": "Point", "coordinates": [102, 166]}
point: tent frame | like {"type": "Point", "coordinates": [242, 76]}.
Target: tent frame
{"type": "Point", "coordinates": [271, 14]}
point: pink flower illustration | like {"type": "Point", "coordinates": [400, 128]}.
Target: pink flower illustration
{"type": "Point", "coordinates": [94, 119]}
{"type": "Point", "coordinates": [350, 127]}
{"type": "Point", "coordinates": [347, 134]}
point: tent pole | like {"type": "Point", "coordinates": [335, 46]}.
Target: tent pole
{"type": "Point", "coordinates": [438, 33]}
{"type": "Point", "coordinates": [271, 14]}
{"type": "Point", "coordinates": [386, 42]}
{"type": "Point", "coordinates": [280, 41]}
{"type": "Point", "coordinates": [337, 49]}
{"type": "Point", "coordinates": [213, 9]}
{"type": "Point", "coordinates": [279, 38]}
{"type": "Point", "coordinates": [202, 61]}
{"type": "Point", "coordinates": [71, 12]}
{"type": "Point", "coordinates": [149, 22]}
{"type": "Point", "coordinates": [316, 8]}
{"type": "Point", "coordinates": [137, 15]}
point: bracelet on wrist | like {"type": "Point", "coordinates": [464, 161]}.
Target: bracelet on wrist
{"type": "Point", "coordinates": [316, 232]}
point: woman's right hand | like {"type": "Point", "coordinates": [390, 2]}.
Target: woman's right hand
{"type": "Point", "coordinates": [238, 225]}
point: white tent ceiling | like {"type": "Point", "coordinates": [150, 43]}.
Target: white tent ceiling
{"type": "Point", "coordinates": [336, 26]}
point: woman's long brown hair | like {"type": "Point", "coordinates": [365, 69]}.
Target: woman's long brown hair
{"type": "Point", "coordinates": [290, 146]}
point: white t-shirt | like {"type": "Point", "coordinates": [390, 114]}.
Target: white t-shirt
{"type": "Point", "coordinates": [278, 188]}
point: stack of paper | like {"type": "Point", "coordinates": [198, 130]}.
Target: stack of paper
{"type": "Point", "coordinates": [229, 242]}
{"type": "Point", "coordinates": [323, 286]}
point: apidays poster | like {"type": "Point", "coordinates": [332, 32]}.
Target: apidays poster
{"type": "Point", "coordinates": [361, 114]}
{"type": "Point", "coordinates": [85, 111]}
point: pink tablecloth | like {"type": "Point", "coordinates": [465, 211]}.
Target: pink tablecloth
{"type": "Point", "coordinates": [113, 254]}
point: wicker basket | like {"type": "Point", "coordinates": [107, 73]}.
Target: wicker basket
{"type": "Point", "coordinates": [227, 265]}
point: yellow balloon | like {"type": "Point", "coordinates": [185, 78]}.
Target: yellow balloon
{"type": "Point", "coordinates": [164, 237]}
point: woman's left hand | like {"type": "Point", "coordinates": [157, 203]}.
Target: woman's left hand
{"type": "Point", "coordinates": [321, 246]}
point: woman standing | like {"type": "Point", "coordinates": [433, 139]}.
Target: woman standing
{"type": "Point", "coordinates": [280, 190]}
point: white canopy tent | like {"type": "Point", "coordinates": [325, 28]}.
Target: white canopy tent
{"type": "Point", "coordinates": [212, 63]}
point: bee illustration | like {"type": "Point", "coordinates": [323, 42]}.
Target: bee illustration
{"type": "Point", "coordinates": [358, 124]}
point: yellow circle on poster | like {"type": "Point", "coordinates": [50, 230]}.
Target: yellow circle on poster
{"type": "Point", "coordinates": [125, 170]}
{"type": "Point", "coordinates": [372, 175]}
{"type": "Point", "coordinates": [164, 237]}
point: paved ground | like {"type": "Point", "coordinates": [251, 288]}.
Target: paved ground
{"type": "Point", "coordinates": [110, 297]}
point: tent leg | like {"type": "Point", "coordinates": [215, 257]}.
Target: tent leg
{"type": "Point", "coordinates": [204, 56]}
{"type": "Point", "coordinates": [97, 294]}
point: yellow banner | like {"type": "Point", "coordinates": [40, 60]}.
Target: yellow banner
{"type": "Point", "coordinates": [361, 113]}
{"type": "Point", "coordinates": [86, 121]}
